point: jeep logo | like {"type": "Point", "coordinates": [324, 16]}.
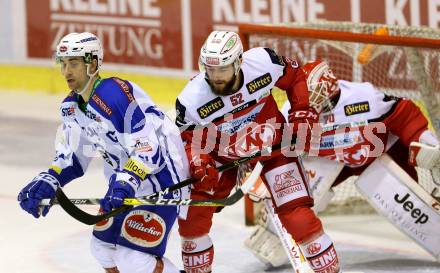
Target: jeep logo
{"type": "Point", "coordinates": [416, 213]}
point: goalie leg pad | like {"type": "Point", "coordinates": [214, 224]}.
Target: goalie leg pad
{"type": "Point", "coordinates": [265, 244]}
{"type": "Point", "coordinates": [395, 195]}
{"type": "Point", "coordinates": [197, 254]}
{"type": "Point", "coordinates": [424, 156]}
{"type": "Point", "coordinates": [321, 255]}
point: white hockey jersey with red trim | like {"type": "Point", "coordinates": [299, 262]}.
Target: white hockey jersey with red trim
{"type": "Point", "coordinates": [365, 123]}
{"type": "Point", "coordinates": [245, 121]}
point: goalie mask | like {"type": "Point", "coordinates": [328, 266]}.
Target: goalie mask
{"type": "Point", "coordinates": [85, 45]}
{"type": "Point", "coordinates": [322, 85]}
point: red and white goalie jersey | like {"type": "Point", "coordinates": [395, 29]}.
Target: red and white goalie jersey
{"type": "Point", "coordinates": [364, 123]}
{"type": "Point", "coordinates": [249, 119]}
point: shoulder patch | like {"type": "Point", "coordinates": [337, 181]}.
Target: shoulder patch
{"type": "Point", "coordinates": [275, 58]}
{"type": "Point", "coordinates": [211, 107]}
{"type": "Point", "coordinates": [259, 83]}
{"type": "Point", "coordinates": [356, 108]}
{"type": "Point", "coordinates": [125, 88]}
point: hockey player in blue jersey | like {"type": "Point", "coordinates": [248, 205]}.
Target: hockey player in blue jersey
{"type": "Point", "coordinates": [142, 148]}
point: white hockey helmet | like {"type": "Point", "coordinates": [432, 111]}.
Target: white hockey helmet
{"type": "Point", "coordinates": [321, 83]}
{"type": "Point", "coordinates": [221, 48]}
{"type": "Point", "coordinates": [83, 44]}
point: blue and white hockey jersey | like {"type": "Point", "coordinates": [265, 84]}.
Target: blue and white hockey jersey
{"type": "Point", "coordinates": [122, 124]}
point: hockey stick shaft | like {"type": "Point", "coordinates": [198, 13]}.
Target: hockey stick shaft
{"type": "Point", "coordinates": [70, 208]}
{"type": "Point", "coordinates": [158, 201]}
{"type": "Point", "coordinates": [90, 219]}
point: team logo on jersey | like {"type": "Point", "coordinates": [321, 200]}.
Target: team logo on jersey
{"type": "Point", "coordinates": [210, 108]}
{"type": "Point", "coordinates": [144, 228]}
{"type": "Point", "coordinates": [357, 108]}
{"type": "Point", "coordinates": [259, 83]}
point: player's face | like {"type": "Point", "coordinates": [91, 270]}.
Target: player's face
{"type": "Point", "coordinates": [74, 70]}
{"type": "Point", "coordinates": [221, 78]}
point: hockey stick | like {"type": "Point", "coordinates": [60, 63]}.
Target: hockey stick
{"type": "Point", "coordinates": [69, 204]}
{"type": "Point", "coordinates": [70, 207]}
{"type": "Point", "coordinates": [160, 201]}
{"type": "Point", "coordinates": [293, 252]}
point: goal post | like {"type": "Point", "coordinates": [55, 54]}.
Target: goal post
{"type": "Point", "coordinates": [403, 61]}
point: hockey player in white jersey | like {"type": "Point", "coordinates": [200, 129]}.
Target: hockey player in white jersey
{"type": "Point", "coordinates": [359, 124]}
{"type": "Point", "coordinates": [143, 153]}
{"type": "Point", "coordinates": [228, 112]}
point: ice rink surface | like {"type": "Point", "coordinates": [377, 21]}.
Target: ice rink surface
{"type": "Point", "coordinates": [58, 243]}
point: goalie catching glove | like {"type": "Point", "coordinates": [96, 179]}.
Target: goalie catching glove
{"type": "Point", "coordinates": [426, 157]}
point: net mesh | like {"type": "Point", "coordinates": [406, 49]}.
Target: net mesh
{"type": "Point", "coordinates": [403, 71]}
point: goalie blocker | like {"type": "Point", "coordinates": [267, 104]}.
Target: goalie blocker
{"type": "Point", "coordinates": [395, 195]}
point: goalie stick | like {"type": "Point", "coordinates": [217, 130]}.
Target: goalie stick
{"type": "Point", "coordinates": [296, 259]}
{"type": "Point", "coordinates": [69, 204]}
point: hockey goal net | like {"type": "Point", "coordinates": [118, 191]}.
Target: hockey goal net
{"type": "Point", "coordinates": [400, 61]}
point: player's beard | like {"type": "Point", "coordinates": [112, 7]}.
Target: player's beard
{"type": "Point", "coordinates": [226, 90]}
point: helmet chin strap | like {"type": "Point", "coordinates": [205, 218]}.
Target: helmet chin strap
{"type": "Point", "coordinates": [88, 81]}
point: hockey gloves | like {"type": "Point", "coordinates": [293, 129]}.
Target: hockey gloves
{"type": "Point", "coordinates": [302, 122]}
{"type": "Point", "coordinates": [202, 168]}
{"type": "Point", "coordinates": [303, 118]}
{"type": "Point", "coordinates": [43, 186]}
{"type": "Point", "coordinates": [121, 185]}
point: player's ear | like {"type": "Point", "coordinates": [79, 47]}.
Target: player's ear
{"type": "Point", "coordinates": [94, 65]}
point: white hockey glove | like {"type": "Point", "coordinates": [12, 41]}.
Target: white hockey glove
{"type": "Point", "coordinates": [426, 157]}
